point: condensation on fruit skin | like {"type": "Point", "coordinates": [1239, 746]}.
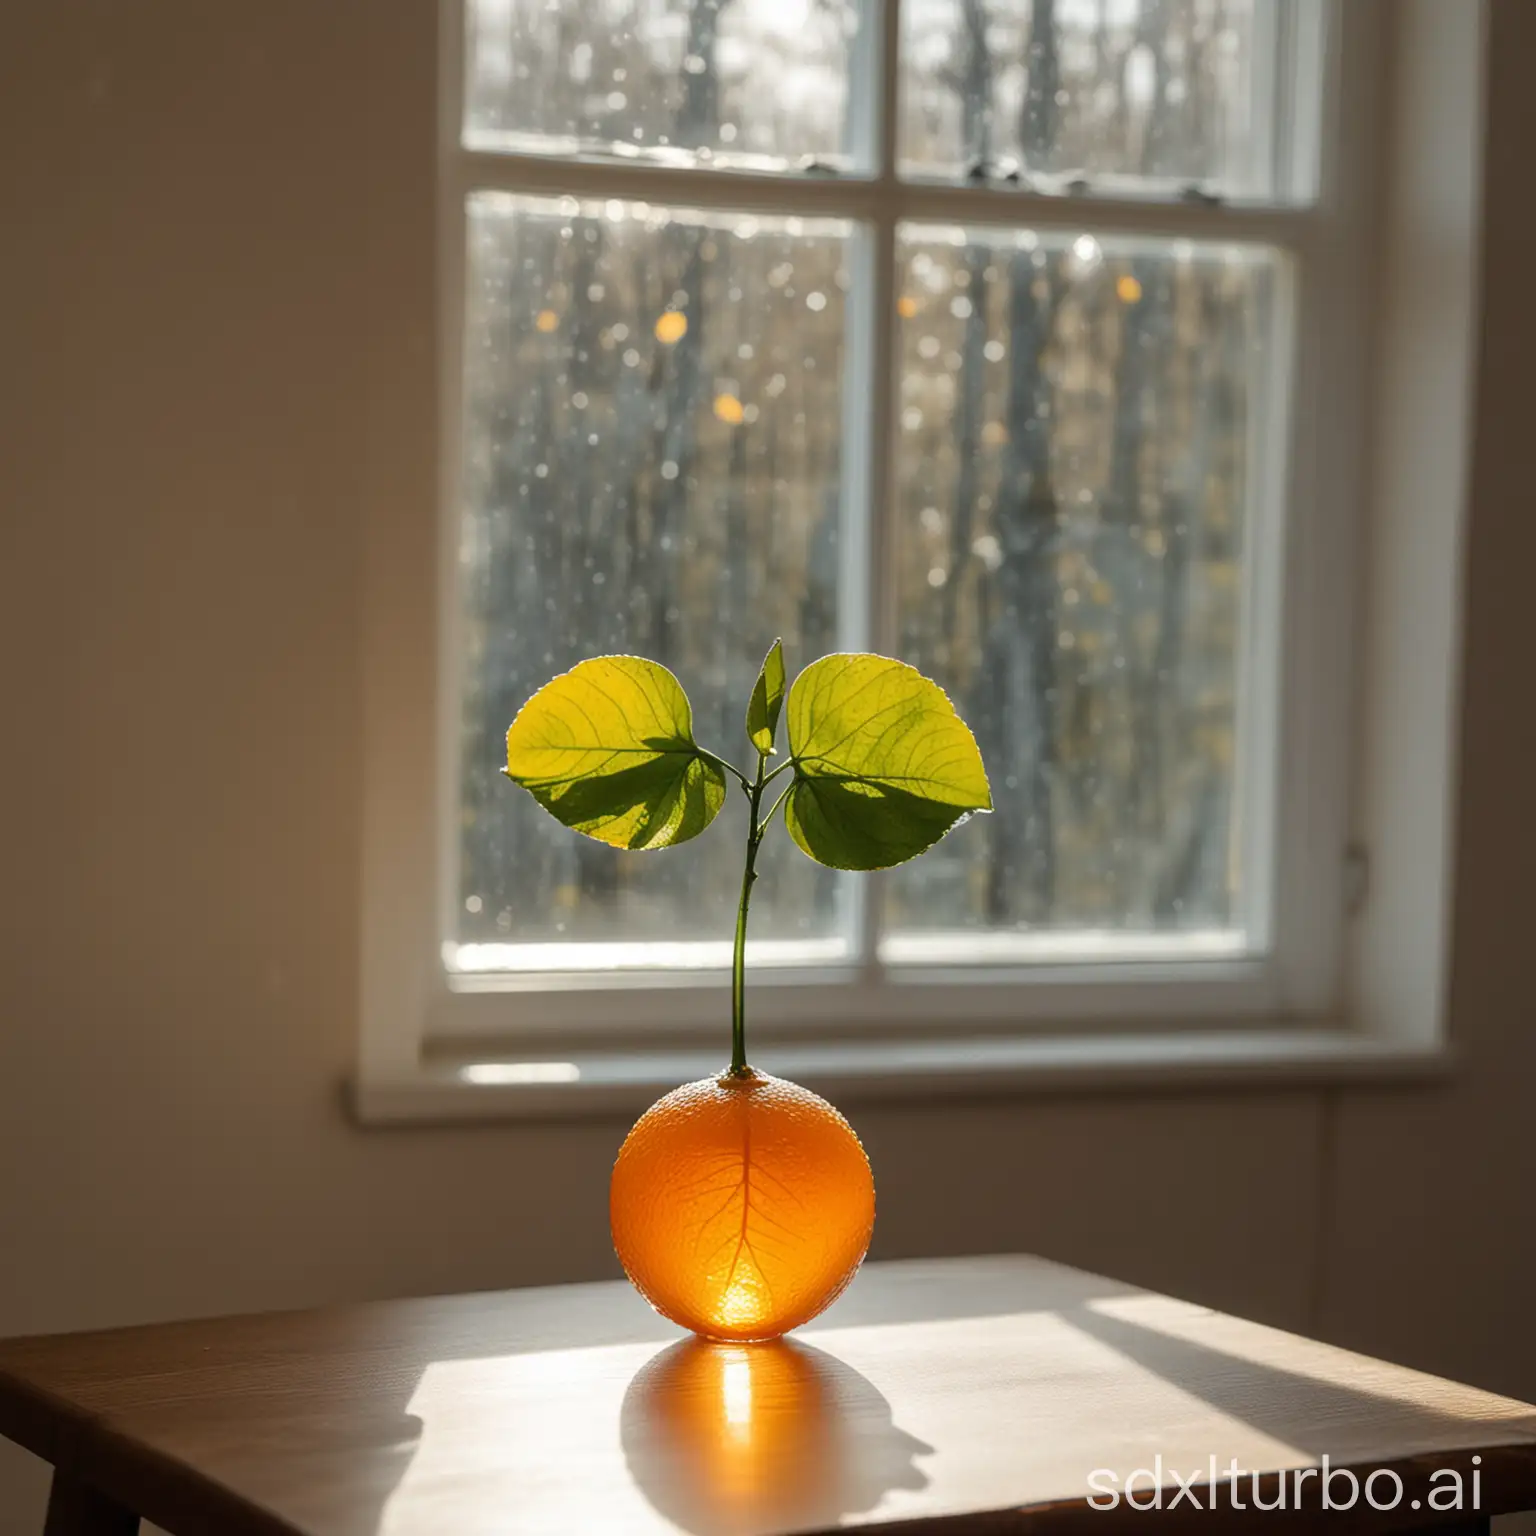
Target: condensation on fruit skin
{"type": "Point", "coordinates": [741, 1207]}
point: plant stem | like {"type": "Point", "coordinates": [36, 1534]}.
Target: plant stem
{"type": "Point", "coordinates": [755, 830]}
{"type": "Point", "coordinates": [783, 767]}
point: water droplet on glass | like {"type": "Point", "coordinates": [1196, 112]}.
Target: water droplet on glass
{"type": "Point", "coordinates": [988, 551]}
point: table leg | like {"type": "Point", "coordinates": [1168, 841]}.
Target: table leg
{"type": "Point", "coordinates": [77, 1509]}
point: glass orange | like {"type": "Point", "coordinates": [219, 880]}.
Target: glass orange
{"type": "Point", "coordinates": [741, 1205]}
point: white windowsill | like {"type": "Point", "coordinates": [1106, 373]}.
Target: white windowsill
{"type": "Point", "coordinates": [498, 1087]}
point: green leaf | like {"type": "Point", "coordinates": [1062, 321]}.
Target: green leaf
{"type": "Point", "coordinates": [608, 748]}
{"type": "Point", "coordinates": [767, 700]}
{"type": "Point", "coordinates": [884, 767]}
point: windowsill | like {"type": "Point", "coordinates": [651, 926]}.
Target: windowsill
{"type": "Point", "coordinates": [492, 1087]}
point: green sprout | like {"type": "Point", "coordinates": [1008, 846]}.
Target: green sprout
{"type": "Point", "coordinates": [880, 766]}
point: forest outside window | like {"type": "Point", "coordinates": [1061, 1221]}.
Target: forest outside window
{"type": "Point", "coordinates": [959, 330]}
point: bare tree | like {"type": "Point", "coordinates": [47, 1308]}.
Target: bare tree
{"type": "Point", "coordinates": [973, 83]}
{"type": "Point", "coordinates": [1016, 697]}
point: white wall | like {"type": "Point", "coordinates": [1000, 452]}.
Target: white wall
{"type": "Point", "coordinates": [215, 269]}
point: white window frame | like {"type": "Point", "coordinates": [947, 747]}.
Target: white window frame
{"type": "Point", "coordinates": [431, 1042]}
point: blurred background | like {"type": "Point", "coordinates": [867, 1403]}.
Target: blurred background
{"type": "Point", "coordinates": [655, 431]}
{"type": "Point", "coordinates": [218, 367]}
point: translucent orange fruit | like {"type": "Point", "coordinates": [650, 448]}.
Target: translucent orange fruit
{"type": "Point", "coordinates": [741, 1206]}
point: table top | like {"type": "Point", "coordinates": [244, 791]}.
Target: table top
{"type": "Point", "coordinates": [976, 1394]}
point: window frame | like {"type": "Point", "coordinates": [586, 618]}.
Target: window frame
{"type": "Point", "coordinates": [1301, 597]}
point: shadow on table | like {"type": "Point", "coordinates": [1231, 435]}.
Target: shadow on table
{"type": "Point", "coordinates": [730, 1439]}
{"type": "Point", "coordinates": [1305, 1412]}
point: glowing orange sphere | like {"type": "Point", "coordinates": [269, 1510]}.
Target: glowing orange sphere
{"type": "Point", "coordinates": [741, 1206]}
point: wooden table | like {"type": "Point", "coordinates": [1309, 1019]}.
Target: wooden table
{"type": "Point", "coordinates": [976, 1395]}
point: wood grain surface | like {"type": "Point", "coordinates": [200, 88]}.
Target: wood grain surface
{"type": "Point", "coordinates": [969, 1395]}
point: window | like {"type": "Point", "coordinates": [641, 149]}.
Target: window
{"type": "Point", "coordinates": [984, 333]}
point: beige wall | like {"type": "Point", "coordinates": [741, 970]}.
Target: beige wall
{"type": "Point", "coordinates": [214, 266]}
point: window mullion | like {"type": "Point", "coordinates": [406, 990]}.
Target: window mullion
{"type": "Point", "coordinates": [868, 198]}
{"type": "Point", "coordinates": [879, 362]}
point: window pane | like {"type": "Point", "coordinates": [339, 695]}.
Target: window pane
{"type": "Point", "coordinates": [1153, 90]}
{"type": "Point", "coordinates": [1075, 475]}
{"type": "Point", "coordinates": [651, 466]}
{"type": "Point", "coordinates": [744, 83]}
